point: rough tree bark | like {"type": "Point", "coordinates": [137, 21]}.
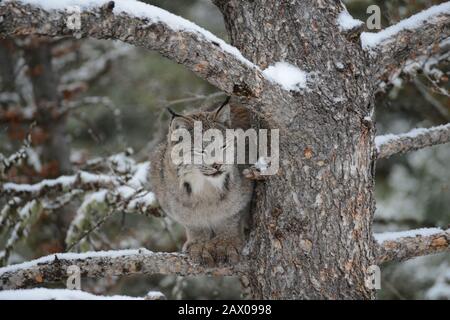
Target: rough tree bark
{"type": "Point", "coordinates": [312, 232]}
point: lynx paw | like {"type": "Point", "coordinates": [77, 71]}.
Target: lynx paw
{"type": "Point", "coordinates": [214, 251]}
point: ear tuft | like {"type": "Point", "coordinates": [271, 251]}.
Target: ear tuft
{"type": "Point", "coordinates": [173, 113]}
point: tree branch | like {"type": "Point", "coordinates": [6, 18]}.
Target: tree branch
{"type": "Point", "coordinates": [141, 25]}
{"type": "Point", "coordinates": [390, 144]}
{"type": "Point", "coordinates": [67, 294]}
{"type": "Point", "coordinates": [92, 69]}
{"type": "Point", "coordinates": [409, 38]}
{"type": "Point", "coordinates": [400, 246]}
{"type": "Point", "coordinates": [7, 163]}
{"type": "Point", "coordinates": [100, 264]}
{"type": "Point", "coordinates": [81, 180]}
{"type": "Point", "coordinates": [428, 64]}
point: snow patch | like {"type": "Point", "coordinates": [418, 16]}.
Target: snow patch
{"type": "Point", "coordinates": [371, 40]}
{"type": "Point", "coordinates": [262, 164]}
{"type": "Point", "coordinates": [140, 176]}
{"type": "Point", "coordinates": [143, 200]}
{"type": "Point", "coordinates": [287, 75]}
{"type": "Point", "coordinates": [389, 236]}
{"type": "Point", "coordinates": [155, 295]}
{"type": "Point", "coordinates": [346, 22]}
{"type": "Point", "coordinates": [57, 294]}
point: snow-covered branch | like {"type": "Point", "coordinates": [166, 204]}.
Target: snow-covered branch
{"type": "Point", "coordinates": [429, 64]}
{"type": "Point", "coordinates": [100, 264]}
{"type": "Point", "coordinates": [66, 294]}
{"type": "Point", "coordinates": [81, 180]}
{"type": "Point", "coordinates": [403, 245]}
{"type": "Point", "coordinates": [7, 163]}
{"type": "Point", "coordinates": [122, 189]}
{"type": "Point", "coordinates": [141, 25]}
{"type": "Point", "coordinates": [390, 144]}
{"type": "Point", "coordinates": [409, 38]}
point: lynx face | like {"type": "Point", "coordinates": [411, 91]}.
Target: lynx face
{"type": "Point", "coordinates": [196, 177]}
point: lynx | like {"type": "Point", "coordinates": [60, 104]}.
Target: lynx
{"type": "Point", "coordinates": [210, 201]}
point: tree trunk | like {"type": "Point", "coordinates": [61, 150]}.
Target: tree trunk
{"type": "Point", "coordinates": [56, 148]}
{"type": "Point", "coordinates": [312, 234]}
{"type": "Point", "coordinates": [7, 65]}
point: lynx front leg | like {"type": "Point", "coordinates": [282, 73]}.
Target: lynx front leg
{"type": "Point", "coordinates": [227, 241]}
{"type": "Point", "coordinates": [221, 244]}
{"type": "Point", "coordinates": [197, 245]}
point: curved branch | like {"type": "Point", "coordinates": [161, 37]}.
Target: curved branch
{"type": "Point", "coordinates": [390, 144]}
{"type": "Point", "coordinates": [409, 38]}
{"type": "Point", "coordinates": [141, 25]}
{"type": "Point", "coordinates": [100, 264]}
{"type": "Point", "coordinates": [400, 246]}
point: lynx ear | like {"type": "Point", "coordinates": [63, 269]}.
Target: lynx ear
{"type": "Point", "coordinates": [223, 114]}
{"type": "Point", "coordinates": [178, 123]}
{"type": "Point", "coordinates": [178, 120]}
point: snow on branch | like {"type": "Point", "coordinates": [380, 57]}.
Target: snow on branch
{"type": "Point", "coordinates": [66, 294]}
{"type": "Point", "coordinates": [7, 163]}
{"type": "Point", "coordinates": [121, 187]}
{"type": "Point", "coordinates": [403, 245]}
{"type": "Point", "coordinates": [81, 180]}
{"type": "Point", "coordinates": [101, 264]}
{"type": "Point", "coordinates": [429, 64]}
{"type": "Point", "coordinates": [409, 38]}
{"type": "Point", "coordinates": [390, 144]}
{"type": "Point", "coordinates": [347, 22]}
{"type": "Point", "coordinates": [142, 25]}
